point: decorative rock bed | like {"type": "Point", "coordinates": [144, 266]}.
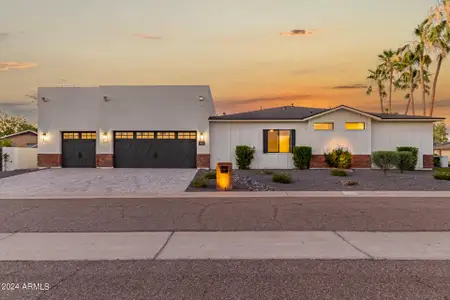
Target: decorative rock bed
{"type": "Point", "coordinates": [251, 184]}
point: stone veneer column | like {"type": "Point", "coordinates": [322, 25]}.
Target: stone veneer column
{"type": "Point", "coordinates": [428, 162]}
{"type": "Point", "coordinates": [359, 161]}
{"type": "Point", "coordinates": [203, 161]}
{"type": "Point", "coordinates": [104, 160]}
{"type": "Point", "coordinates": [49, 160]}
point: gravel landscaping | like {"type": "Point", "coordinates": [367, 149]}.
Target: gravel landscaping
{"type": "Point", "coordinates": [321, 180]}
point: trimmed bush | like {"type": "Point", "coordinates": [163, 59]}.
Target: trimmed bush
{"type": "Point", "coordinates": [415, 153]}
{"type": "Point", "coordinates": [442, 175]}
{"type": "Point", "coordinates": [437, 161]}
{"type": "Point", "coordinates": [282, 178]}
{"type": "Point", "coordinates": [338, 172]}
{"type": "Point", "coordinates": [210, 175]}
{"type": "Point", "coordinates": [385, 160]}
{"type": "Point", "coordinates": [339, 158]}
{"type": "Point", "coordinates": [244, 156]}
{"type": "Point", "coordinates": [201, 182]}
{"type": "Point", "coordinates": [404, 160]}
{"type": "Point", "coordinates": [302, 157]}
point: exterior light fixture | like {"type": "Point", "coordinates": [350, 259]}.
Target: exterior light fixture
{"type": "Point", "coordinates": [201, 139]}
{"type": "Point", "coordinates": [200, 98]}
{"type": "Point", "coordinates": [44, 99]}
{"type": "Point", "coordinates": [105, 137]}
{"type": "Point", "coordinates": [105, 98]}
{"type": "Point", "coordinates": [44, 137]}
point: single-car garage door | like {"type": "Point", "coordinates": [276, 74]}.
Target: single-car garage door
{"type": "Point", "coordinates": [155, 149]}
{"type": "Point", "coordinates": [78, 149]}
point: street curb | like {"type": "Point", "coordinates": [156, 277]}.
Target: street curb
{"type": "Point", "coordinates": [294, 194]}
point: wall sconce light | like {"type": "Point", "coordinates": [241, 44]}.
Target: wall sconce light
{"type": "Point", "coordinates": [106, 99]}
{"type": "Point", "coordinates": [44, 99]}
{"type": "Point", "coordinates": [201, 139]}
{"type": "Point", "coordinates": [44, 137]}
{"type": "Point", "coordinates": [105, 137]}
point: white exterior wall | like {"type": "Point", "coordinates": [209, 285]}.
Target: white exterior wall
{"type": "Point", "coordinates": [19, 158]}
{"type": "Point", "coordinates": [389, 135]}
{"type": "Point", "coordinates": [357, 142]}
{"type": "Point", "coordinates": [132, 108]}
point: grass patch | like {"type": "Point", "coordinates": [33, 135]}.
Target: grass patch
{"type": "Point", "coordinates": [282, 178]}
{"type": "Point", "coordinates": [210, 175]}
{"type": "Point", "coordinates": [443, 170]}
{"type": "Point", "coordinates": [338, 172]}
{"type": "Point", "coordinates": [267, 172]}
{"type": "Point", "coordinates": [442, 175]}
{"type": "Point", "coordinates": [201, 182]}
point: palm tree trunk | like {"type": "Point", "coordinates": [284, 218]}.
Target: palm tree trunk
{"type": "Point", "coordinates": [407, 105]}
{"type": "Point", "coordinates": [381, 100]}
{"type": "Point", "coordinates": [422, 85]}
{"type": "Point", "coordinates": [390, 90]}
{"type": "Point", "coordinates": [412, 105]}
{"type": "Point", "coordinates": [433, 91]}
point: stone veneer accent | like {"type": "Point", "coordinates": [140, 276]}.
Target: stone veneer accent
{"type": "Point", "coordinates": [104, 160]}
{"type": "Point", "coordinates": [359, 161]}
{"type": "Point", "coordinates": [203, 161]}
{"type": "Point", "coordinates": [428, 162]}
{"type": "Point", "coordinates": [49, 160]}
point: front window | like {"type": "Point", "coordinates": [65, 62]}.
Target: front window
{"type": "Point", "coordinates": [278, 141]}
{"type": "Point", "coordinates": [324, 126]}
{"type": "Point", "coordinates": [355, 125]}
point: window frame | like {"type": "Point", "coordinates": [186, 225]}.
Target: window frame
{"type": "Point", "coordinates": [332, 126]}
{"type": "Point", "coordinates": [346, 129]}
{"type": "Point", "coordinates": [266, 141]}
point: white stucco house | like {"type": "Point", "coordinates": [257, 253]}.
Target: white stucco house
{"type": "Point", "coordinates": [177, 127]}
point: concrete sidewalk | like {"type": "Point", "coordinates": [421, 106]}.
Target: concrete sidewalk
{"type": "Point", "coordinates": [286, 194]}
{"type": "Point", "coordinates": [225, 245]}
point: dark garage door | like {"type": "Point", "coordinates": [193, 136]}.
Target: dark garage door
{"type": "Point", "coordinates": [78, 149]}
{"type": "Point", "coordinates": [149, 149]}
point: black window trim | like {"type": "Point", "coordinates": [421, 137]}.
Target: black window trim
{"type": "Point", "coordinates": [266, 140]}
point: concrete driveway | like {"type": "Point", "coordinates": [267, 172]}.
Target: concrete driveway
{"type": "Point", "coordinates": [96, 182]}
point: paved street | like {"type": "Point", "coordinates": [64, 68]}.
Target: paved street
{"type": "Point", "coordinates": [226, 214]}
{"type": "Point", "coordinates": [217, 280]}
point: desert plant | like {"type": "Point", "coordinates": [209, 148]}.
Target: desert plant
{"type": "Point", "coordinates": [339, 157]}
{"type": "Point", "coordinates": [302, 157]}
{"type": "Point", "coordinates": [415, 153]}
{"type": "Point", "coordinates": [384, 160]}
{"type": "Point", "coordinates": [338, 172]}
{"type": "Point", "coordinates": [6, 160]}
{"type": "Point", "coordinates": [201, 182]}
{"type": "Point", "coordinates": [244, 156]}
{"type": "Point", "coordinates": [210, 175]}
{"type": "Point", "coordinates": [442, 175]}
{"type": "Point", "coordinates": [436, 161]}
{"type": "Point", "coordinates": [404, 160]}
{"type": "Point", "coordinates": [282, 178]}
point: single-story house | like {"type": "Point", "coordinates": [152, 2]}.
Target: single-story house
{"type": "Point", "coordinates": [26, 138]}
{"type": "Point", "coordinates": [177, 127]}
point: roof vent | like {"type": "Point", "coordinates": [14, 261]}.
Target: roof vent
{"type": "Point", "coordinates": [284, 107]}
{"type": "Point", "coordinates": [224, 113]}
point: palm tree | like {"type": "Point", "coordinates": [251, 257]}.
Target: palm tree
{"type": "Point", "coordinates": [377, 77]}
{"type": "Point", "coordinates": [424, 58]}
{"type": "Point", "coordinates": [408, 74]}
{"type": "Point", "coordinates": [441, 13]}
{"type": "Point", "coordinates": [387, 64]}
{"type": "Point", "coordinates": [438, 38]}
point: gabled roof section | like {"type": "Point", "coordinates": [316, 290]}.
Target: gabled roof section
{"type": "Point", "coordinates": [18, 133]}
{"type": "Point", "coordinates": [307, 113]}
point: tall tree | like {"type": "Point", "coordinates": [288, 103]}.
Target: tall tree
{"type": "Point", "coordinates": [12, 124]}
{"type": "Point", "coordinates": [408, 75]}
{"type": "Point", "coordinates": [441, 12]}
{"type": "Point", "coordinates": [387, 64]}
{"type": "Point", "coordinates": [440, 134]}
{"type": "Point", "coordinates": [438, 38]}
{"type": "Point", "coordinates": [424, 59]}
{"type": "Point", "coordinates": [377, 77]}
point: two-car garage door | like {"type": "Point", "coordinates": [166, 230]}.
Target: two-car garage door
{"type": "Point", "coordinates": [155, 149]}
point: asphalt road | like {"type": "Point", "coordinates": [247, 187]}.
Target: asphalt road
{"type": "Point", "coordinates": [216, 280]}
{"type": "Point", "coordinates": [226, 214]}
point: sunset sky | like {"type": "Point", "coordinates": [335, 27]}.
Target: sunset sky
{"type": "Point", "coordinates": [252, 53]}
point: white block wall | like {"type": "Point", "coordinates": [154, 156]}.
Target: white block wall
{"type": "Point", "coordinates": [19, 158]}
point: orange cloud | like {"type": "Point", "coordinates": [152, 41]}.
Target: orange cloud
{"type": "Point", "coordinates": [10, 65]}
{"type": "Point", "coordinates": [297, 32]}
{"type": "Point", "coordinates": [147, 36]}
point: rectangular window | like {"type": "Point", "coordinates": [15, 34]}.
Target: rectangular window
{"type": "Point", "coordinates": [71, 135]}
{"type": "Point", "coordinates": [124, 135]}
{"type": "Point", "coordinates": [324, 126]}
{"type": "Point", "coordinates": [166, 135]}
{"type": "Point", "coordinates": [145, 135]}
{"type": "Point", "coordinates": [88, 135]}
{"type": "Point", "coordinates": [187, 135]}
{"type": "Point", "coordinates": [278, 141]}
{"type": "Point", "coordinates": [355, 126]}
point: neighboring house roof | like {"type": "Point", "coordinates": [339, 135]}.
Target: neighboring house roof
{"type": "Point", "coordinates": [445, 146]}
{"type": "Point", "coordinates": [307, 113]}
{"type": "Point", "coordinates": [18, 133]}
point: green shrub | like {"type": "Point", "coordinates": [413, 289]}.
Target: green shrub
{"type": "Point", "coordinates": [267, 172]}
{"type": "Point", "coordinates": [442, 175]}
{"type": "Point", "coordinates": [201, 182]}
{"type": "Point", "coordinates": [302, 157]}
{"type": "Point", "coordinates": [338, 172]}
{"type": "Point", "coordinates": [415, 153]}
{"type": "Point", "coordinates": [244, 156]}
{"type": "Point", "coordinates": [6, 143]}
{"type": "Point", "coordinates": [404, 160]}
{"type": "Point", "coordinates": [339, 157]}
{"type": "Point", "coordinates": [282, 178]}
{"type": "Point", "coordinates": [210, 175]}
{"type": "Point", "coordinates": [436, 161]}
{"type": "Point", "coordinates": [384, 160]}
